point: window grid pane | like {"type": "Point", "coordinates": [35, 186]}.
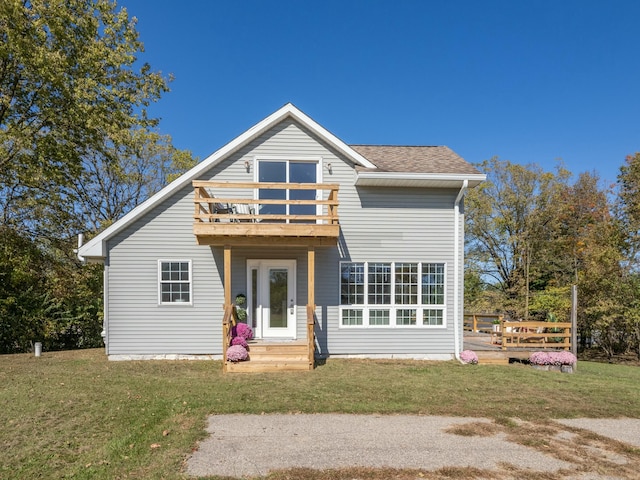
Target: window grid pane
{"type": "Point", "coordinates": [432, 317]}
{"type": "Point", "coordinates": [379, 283]}
{"type": "Point", "coordinates": [352, 284]}
{"type": "Point", "coordinates": [379, 317]}
{"type": "Point", "coordinates": [396, 285]}
{"type": "Point", "coordinates": [174, 282]}
{"type": "Point", "coordinates": [351, 317]}
{"type": "Point", "coordinates": [406, 283]}
{"type": "Point", "coordinates": [406, 316]}
{"type": "Point", "coordinates": [433, 284]}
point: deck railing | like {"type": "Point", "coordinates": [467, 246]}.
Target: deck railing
{"type": "Point", "coordinates": [481, 322]}
{"type": "Point", "coordinates": [530, 335]}
{"type": "Point", "coordinates": [239, 202]}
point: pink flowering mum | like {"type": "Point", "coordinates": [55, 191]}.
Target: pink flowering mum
{"type": "Point", "coordinates": [239, 341]}
{"type": "Point", "coordinates": [237, 353]}
{"type": "Point", "coordinates": [469, 356]}
{"type": "Point", "coordinates": [243, 330]}
{"type": "Point", "coordinates": [552, 358]}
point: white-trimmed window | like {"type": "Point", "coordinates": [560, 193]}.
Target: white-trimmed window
{"type": "Point", "coordinates": [174, 282]}
{"type": "Point", "coordinates": [392, 294]}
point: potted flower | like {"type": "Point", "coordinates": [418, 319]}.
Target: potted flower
{"type": "Point", "coordinates": [496, 325]}
{"type": "Point", "coordinates": [559, 361]}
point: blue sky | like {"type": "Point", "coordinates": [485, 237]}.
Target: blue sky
{"type": "Point", "coordinates": [528, 81]}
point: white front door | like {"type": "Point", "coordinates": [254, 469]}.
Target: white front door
{"type": "Point", "coordinates": [271, 298]}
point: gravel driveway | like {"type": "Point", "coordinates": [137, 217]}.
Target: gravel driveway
{"type": "Point", "coordinates": [252, 445]}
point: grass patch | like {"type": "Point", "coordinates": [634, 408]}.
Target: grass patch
{"type": "Point", "coordinates": [77, 415]}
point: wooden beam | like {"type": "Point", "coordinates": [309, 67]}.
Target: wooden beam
{"type": "Point", "coordinates": [311, 276]}
{"type": "Point", "coordinates": [266, 185]}
{"type": "Point", "coordinates": [227, 275]}
{"type": "Point", "coordinates": [267, 229]}
{"type": "Point", "coordinates": [221, 241]}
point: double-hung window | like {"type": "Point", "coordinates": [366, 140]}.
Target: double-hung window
{"type": "Point", "coordinates": [392, 294]}
{"type": "Point", "coordinates": [174, 282]}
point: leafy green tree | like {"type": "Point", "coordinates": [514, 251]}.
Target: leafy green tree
{"type": "Point", "coordinates": [509, 224]}
{"type": "Point", "coordinates": [628, 209]}
{"type": "Point", "coordinates": [70, 89]}
{"type": "Point", "coordinates": [77, 151]}
{"type": "Point", "coordinates": [108, 190]}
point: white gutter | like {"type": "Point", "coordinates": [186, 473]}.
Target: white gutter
{"type": "Point", "coordinates": [456, 271]}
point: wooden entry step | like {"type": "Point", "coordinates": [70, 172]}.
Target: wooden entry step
{"type": "Point", "coordinates": [265, 356]}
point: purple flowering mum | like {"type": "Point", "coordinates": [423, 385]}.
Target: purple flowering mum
{"type": "Point", "coordinates": [243, 330]}
{"type": "Point", "coordinates": [469, 356]}
{"type": "Point", "coordinates": [239, 341]}
{"type": "Point", "coordinates": [552, 358]}
{"type": "Point", "coordinates": [237, 353]}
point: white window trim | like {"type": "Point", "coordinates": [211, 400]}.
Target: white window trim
{"type": "Point", "coordinates": [393, 307]}
{"type": "Point", "coordinates": [317, 160]}
{"type": "Point", "coordinates": [173, 304]}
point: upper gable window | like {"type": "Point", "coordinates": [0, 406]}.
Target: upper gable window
{"type": "Point", "coordinates": [276, 170]}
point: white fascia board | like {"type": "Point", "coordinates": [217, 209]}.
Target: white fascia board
{"type": "Point", "coordinates": [95, 248]}
{"type": "Point", "coordinates": [425, 179]}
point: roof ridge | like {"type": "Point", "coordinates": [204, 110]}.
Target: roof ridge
{"type": "Point", "coordinates": [389, 145]}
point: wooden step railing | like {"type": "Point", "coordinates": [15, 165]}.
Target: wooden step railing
{"type": "Point", "coordinates": [229, 320]}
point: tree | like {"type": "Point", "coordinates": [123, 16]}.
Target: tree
{"type": "Point", "coordinates": [70, 89]}
{"type": "Point", "coordinates": [628, 209]}
{"type": "Point", "coordinates": [509, 224]}
{"type": "Point", "coordinates": [106, 191]}
{"type": "Point", "coordinates": [77, 151]}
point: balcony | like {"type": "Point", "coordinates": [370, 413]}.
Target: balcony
{"type": "Point", "coordinates": [258, 213]}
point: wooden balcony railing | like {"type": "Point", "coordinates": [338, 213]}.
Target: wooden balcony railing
{"type": "Point", "coordinates": [227, 209]}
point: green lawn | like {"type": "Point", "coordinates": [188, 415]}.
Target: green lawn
{"type": "Point", "coordinates": [77, 415]}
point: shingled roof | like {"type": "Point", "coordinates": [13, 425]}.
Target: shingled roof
{"type": "Point", "coordinates": [414, 159]}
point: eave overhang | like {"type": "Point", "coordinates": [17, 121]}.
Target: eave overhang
{"type": "Point", "coordinates": [430, 180]}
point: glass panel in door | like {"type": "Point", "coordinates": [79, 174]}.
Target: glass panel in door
{"type": "Point", "coordinates": [278, 281]}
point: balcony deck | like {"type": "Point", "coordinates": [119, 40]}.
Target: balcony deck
{"type": "Point", "coordinates": [231, 212]}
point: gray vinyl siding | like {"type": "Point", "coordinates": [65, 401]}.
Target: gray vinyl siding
{"type": "Point", "coordinates": [137, 324]}
{"type": "Point", "coordinates": [377, 224]}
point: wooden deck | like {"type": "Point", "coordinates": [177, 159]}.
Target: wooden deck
{"type": "Point", "coordinates": [228, 212]}
{"type": "Point", "coordinates": [490, 353]}
{"type": "Point", "coordinates": [509, 341]}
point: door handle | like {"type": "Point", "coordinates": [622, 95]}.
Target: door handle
{"type": "Point", "coordinates": [291, 306]}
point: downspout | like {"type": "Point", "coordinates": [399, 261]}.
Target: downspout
{"type": "Point", "coordinates": [456, 271]}
{"type": "Point", "coordinates": [76, 250]}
